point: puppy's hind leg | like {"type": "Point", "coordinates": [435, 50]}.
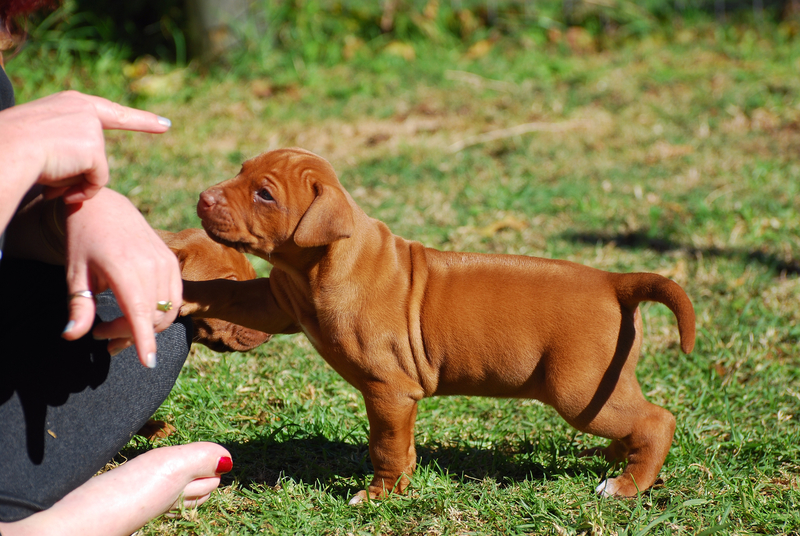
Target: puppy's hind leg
{"type": "Point", "coordinates": [641, 432]}
{"type": "Point", "coordinates": [646, 445]}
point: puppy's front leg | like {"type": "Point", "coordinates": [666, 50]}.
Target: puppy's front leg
{"type": "Point", "coordinates": [392, 414]}
{"type": "Point", "coordinates": [247, 303]}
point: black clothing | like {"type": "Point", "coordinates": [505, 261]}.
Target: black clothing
{"type": "Point", "coordinates": [6, 91]}
{"type": "Point", "coordinates": [66, 408]}
{"type": "Point", "coordinates": [6, 101]}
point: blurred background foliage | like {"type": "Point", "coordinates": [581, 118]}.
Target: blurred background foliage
{"type": "Point", "coordinates": [84, 42]}
{"type": "Point", "coordinates": [329, 31]}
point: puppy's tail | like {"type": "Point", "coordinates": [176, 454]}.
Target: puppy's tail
{"type": "Point", "coordinates": [638, 287]}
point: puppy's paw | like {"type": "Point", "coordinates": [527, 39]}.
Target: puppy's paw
{"type": "Point", "coordinates": [358, 498]}
{"type": "Point", "coordinates": [622, 486]}
{"type": "Point", "coordinates": [363, 497]}
{"type": "Point", "coordinates": [154, 429]}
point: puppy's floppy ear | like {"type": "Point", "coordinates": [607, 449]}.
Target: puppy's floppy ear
{"type": "Point", "coordinates": [179, 252]}
{"type": "Point", "coordinates": [183, 256]}
{"type": "Point", "coordinates": [329, 218]}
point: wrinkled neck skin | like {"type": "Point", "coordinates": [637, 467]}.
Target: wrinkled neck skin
{"type": "Point", "coordinates": [322, 267]}
{"type": "Point", "coordinates": [327, 293]}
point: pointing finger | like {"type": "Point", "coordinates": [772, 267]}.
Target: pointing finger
{"type": "Point", "coordinates": [117, 116]}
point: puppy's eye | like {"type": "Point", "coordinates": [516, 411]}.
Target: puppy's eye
{"type": "Point", "coordinates": [264, 194]}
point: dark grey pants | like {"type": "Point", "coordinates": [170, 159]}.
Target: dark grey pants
{"type": "Point", "coordinates": [66, 408]}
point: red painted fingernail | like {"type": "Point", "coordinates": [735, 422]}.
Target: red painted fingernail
{"type": "Point", "coordinates": [224, 465]}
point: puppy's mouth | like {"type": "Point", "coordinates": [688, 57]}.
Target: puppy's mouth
{"type": "Point", "coordinates": [219, 224]}
{"type": "Point", "coordinates": [219, 236]}
{"type": "Point", "coordinates": [249, 247]}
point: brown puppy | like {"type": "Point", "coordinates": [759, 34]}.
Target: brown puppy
{"type": "Point", "coordinates": [201, 259]}
{"type": "Point", "coordinates": [401, 322]}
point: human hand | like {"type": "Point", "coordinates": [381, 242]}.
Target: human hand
{"type": "Point", "coordinates": [110, 245]}
{"type": "Point", "coordinates": [57, 141]}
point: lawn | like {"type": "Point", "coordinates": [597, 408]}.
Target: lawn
{"type": "Point", "coordinates": [673, 151]}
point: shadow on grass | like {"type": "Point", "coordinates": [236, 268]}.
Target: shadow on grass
{"type": "Point", "coordinates": [641, 240]}
{"type": "Point", "coordinates": [344, 468]}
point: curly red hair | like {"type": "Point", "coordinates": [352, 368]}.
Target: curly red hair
{"type": "Point", "coordinates": [12, 13]}
{"type": "Point", "coordinates": [13, 10]}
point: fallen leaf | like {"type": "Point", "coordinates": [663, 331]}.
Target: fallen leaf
{"type": "Point", "coordinates": [139, 68]}
{"type": "Point", "coordinates": [508, 222]}
{"type": "Point", "coordinates": [400, 49]}
{"type": "Point", "coordinates": [479, 49]}
{"type": "Point", "coordinates": [159, 85]}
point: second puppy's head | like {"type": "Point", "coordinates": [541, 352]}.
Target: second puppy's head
{"type": "Point", "coordinates": [202, 259]}
{"type": "Point", "coordinates": [280, 199]}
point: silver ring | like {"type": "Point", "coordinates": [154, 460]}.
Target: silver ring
{"type": "Point", "coordinates": [82, 294]}
{"type": "Point", "coordinates": [164, 306]}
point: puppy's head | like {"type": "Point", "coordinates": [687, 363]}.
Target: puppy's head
{"type": "Point", "coordinates": [202, 259]}
{"type": "Point", "coordinates": [283, 197]}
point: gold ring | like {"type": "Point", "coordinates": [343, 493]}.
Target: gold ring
{"type": "Point", "coordinates": [82, 294]}
{"type": "Point", "coordinates": [164, 306]}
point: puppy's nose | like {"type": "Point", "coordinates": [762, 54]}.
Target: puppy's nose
{"type": "Point", "coordinates": [206, 203]}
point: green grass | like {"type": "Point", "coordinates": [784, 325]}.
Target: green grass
{"type": "Point", "coordinates": [682, 159]}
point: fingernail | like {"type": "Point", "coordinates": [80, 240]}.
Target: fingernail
{"type": "Point", "coordinates": [114, 351]}
{"type": "Point", "coordinates": [164, 121]}
{"type": "Point", "coordinates": [150, 360]}
{"type": "Point", "coordinates": [224, 465]}
{"type": "Point", "coordinates": [68, 328]}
